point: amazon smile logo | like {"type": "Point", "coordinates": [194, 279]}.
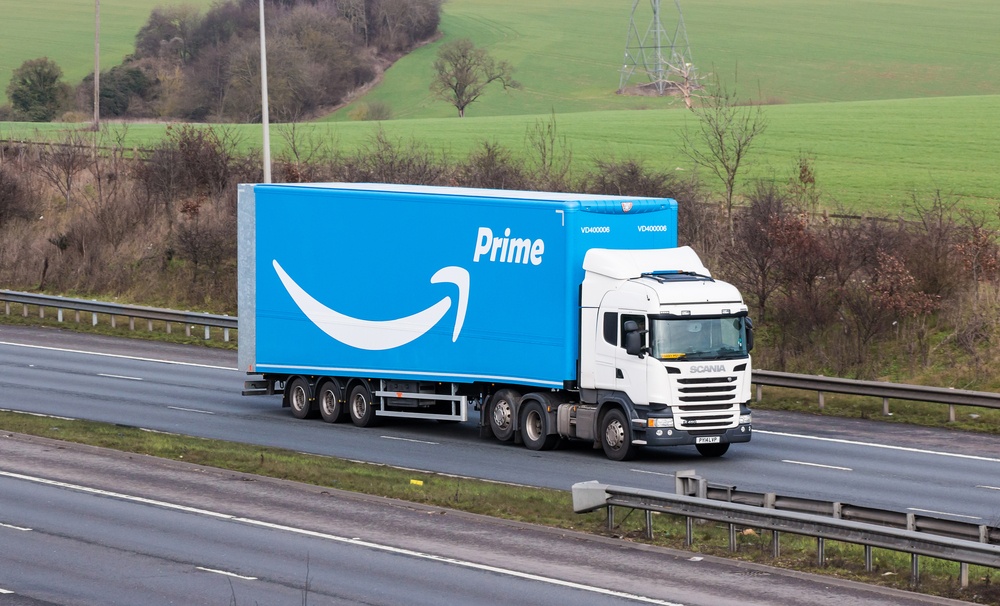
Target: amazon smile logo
{"type": "Point", "coordinates": [380, 335]}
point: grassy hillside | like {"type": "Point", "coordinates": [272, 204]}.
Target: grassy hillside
{"type": "Point", "coordinates": [568, 52]}
{"type": "Point", "coordinates": [64, 32]}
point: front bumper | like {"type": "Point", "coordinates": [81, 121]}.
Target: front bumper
{"type": "Point", "coordinates": [676, 437]}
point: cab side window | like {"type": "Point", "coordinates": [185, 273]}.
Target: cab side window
{"type": "Point", "coordinates": [611, 327]}
{"type": "Point", "coordinates": [640, 322]}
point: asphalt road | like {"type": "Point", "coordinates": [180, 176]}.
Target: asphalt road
{"type": "Point", "coordinates": [81, 525]}
{"type": "Point", "coordinates": [196, 391]}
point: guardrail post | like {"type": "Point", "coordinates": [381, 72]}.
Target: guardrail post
{"type": "Point", "coordinates": [869, 561]}
{"type": "Point", "coordinates": [94, 319]}
{"type": "Point", "coordinates": [914, 570]}
{"type": "Point", "coordinates": [41, 311]}
{"type": "Point", "coordinates": [732, 538]}
{"type": "Point", "coordinates": [775, 544]}
{"type": "Point", "coordinates": [951, 413]}
{"type": "Point", "coordinates": [208, 332]}
{"type": "Point", "coordinates": [760, 390]}
{"type": "Point", "coordinates": [611, 517]}
{"type": "Point", "coordinates": [59, 315]}
{"type": "Point", "coordinates": [24, 310]}
{"type": "Point", "coordinates": [688, 531]}
{"type": "Point", "coordinates": [77, 316]}
{"type": "Point", "coordinates": [225, 335]}
{"type": "Point", "coordinates": [6, 310]}
{"type": "Point", "coordinates": [187, 329]}
{"type": "Point", "coordinates": [113, 325]}
{"type": "Point", "coordinates": [885, 408]}
{"type": "Point", "coordinates": [149, 325]}
{"type": "Point", "coordinates": [649, 524]}
{"type": "Point", "coordinates": [131, 322]}
{"type": "Point", "coordinates": [820, 552]}
{"type": "Point", "coordinates": [963, 575]}
{"type": "Point", "coordinates": [168, 328]}
{"type": "Point", "coordinates": [821, 402]}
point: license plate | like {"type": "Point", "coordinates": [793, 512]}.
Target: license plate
{"type": "Point", "coordinates": [708, 440]}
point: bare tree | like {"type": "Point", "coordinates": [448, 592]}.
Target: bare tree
{"type": "Point", "coordinates": [462, 72]}
{"type": "Point", "coordinates": [62, 162]}
{"type": "Point", "coordinates": [725, 132]}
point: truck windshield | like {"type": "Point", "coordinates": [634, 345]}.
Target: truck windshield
{"type": "Point", "coordinates": [698, 338]}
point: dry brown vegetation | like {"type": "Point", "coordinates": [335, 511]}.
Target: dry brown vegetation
{"type": "Point", "coordinates": [874, 297]}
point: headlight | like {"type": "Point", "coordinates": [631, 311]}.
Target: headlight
{"type": "Point", "coordinates": [661, 422]}
{"type": "Point", "coordinates": [746, 419]}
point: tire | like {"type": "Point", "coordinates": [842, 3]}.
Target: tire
{"type": "Point", "coordinates": [712, 450]}
{"type": "Point", "coordinates": [616, 436]}
{"type": "Point", "coordinates": [535, 427]}
{"type": "Point", "coordinates": [299, 398]}
{"type": "Point", "coordinates": [330, 401]}
{"type": "Point", "coordinates": [501, 414]}
{"type": "Point", "coordinates": [360, 406]}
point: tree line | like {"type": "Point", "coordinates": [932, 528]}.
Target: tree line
{"type": "Point", "coordinates": [205, 67]}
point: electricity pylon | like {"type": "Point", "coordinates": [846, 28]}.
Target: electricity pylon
{"type": "Point", "coordinates": [665, 59]}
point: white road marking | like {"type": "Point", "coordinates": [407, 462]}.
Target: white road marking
{"type": "Point", "coordinates": [107, 355]}
{"type": "Point", "coordinates": [13, 527]}
{"type": "Point", "coordinates": [653, 473]}
{"type": "Point", "coordinates": [410, 440]}
{"type": "Point", "coordinates": [885, 446]}
{"type": "Point", "coordinates": [943, 513]}
{"type": "Point", "coordinates": [101, 374]}
{"type": "Point", "coordinates": [816, 465]}
{"type": "Point", "coordinates": [228, 574]}
{"type": "Point", "coordinates": [350, 541]}
{"type": "Point", "coordinates": [204, 412]}
{"type": "Point", "coordinates": [988, 487]}
{"type": "Point", "coordinates": [2, 590]}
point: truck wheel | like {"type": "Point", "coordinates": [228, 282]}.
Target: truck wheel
{"type": "Point", "coordinates": [712, 450]}
{"type": "Point", "coordinates": [331, 401]}
{"type": "Point", "coordinates": [298, 398]}
{"type": "Point", "coordinates": [535, 427]}
{"type": "Point", "coordinates": [616, 436]}
{"type": "Point", "coordinates": [360, 405]}
{"type": "Point", "coordinates": [501, 414]}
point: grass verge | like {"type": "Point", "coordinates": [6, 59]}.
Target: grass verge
{"type": "Point", "coordinates": [542, 506]}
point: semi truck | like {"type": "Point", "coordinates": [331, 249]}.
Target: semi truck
{"type": "Point", "coordinates": [556, 316]}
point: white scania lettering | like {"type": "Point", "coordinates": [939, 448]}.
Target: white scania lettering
{"type": "Point", "coordinates": [708, 368]}
{"type": "Point", "coordinates": [507, 249]}
{"type": "Point", "coordinates": [652, 228]}
{"type": "Point", "coordinates": [604, 229]}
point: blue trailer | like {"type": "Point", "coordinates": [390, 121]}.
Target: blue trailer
{"type": "Point", "coordinates": [372, 300]}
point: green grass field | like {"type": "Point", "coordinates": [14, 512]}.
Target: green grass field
{"type": "Point", "coordinates": [568, 53]}
{"type": "Point", "coordinates": [890, 98]}
{"type": "Point", "coordinates": [869, 156]}
{"type": "Point", "coordinates": [63, 31]}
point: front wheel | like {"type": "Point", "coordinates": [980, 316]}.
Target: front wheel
{"type": "Point", "coordinates": [361, 408]}
{"type": "Point", "coordinates": [712, 450]}
{"type": "Point", "coordinates": [535, 427]}
{"type": "Point", "coordinates": [616, 436]}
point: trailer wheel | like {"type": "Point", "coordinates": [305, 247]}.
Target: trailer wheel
{"type": "Point", "coordinates": [501, 413]}
{"type": "Point", "coordinates": [712, 450]}
{"type": "Point", "coordinates": [535, 427]}
{"type": "Point", "coordinates": [360, 405]}
{"type": "Point", "coordinates": [331, 401]}
{"type": "Point", "coordinates": [298, 398]}
{"type": "Point", "coordinates": [616, 436]}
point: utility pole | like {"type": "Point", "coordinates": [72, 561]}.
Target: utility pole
{"type": "Point", "coordinates": [97, 65]}
{"type": "Point", "coordinates": [263, 99]}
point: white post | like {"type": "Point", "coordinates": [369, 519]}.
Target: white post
{"type": "Point", "coordinates": [263, 99]}
{"type": "Point", "coordinates": [97, 65]}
